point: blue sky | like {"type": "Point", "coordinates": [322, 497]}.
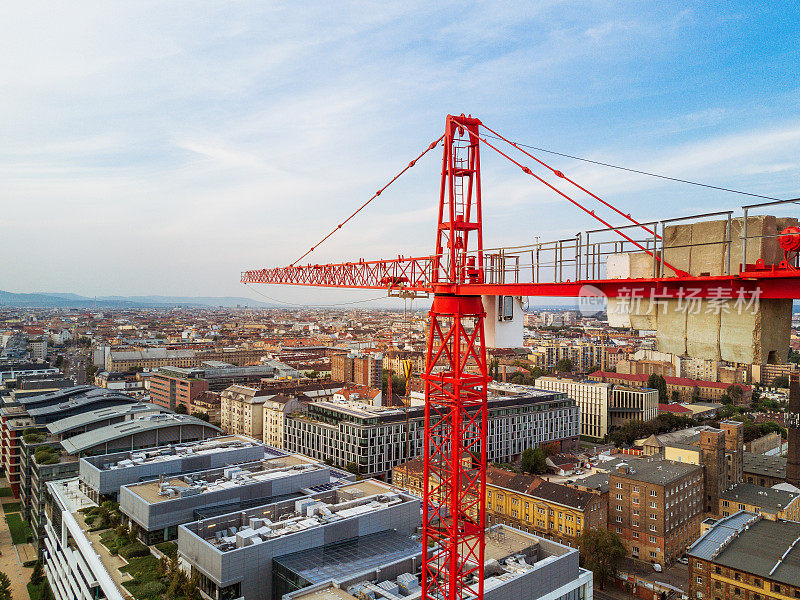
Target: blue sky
{"type": "Point", "coordinates": [160, 148]}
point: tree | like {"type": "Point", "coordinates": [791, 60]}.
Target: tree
{"type": "Point", "coordinates": [181, 409]}
{"type": "Point", "coordinates": [398, 385]}
{"type": "Point", "coordinates": [564, 365]}
{"type": "Point", "coordinates": [37, 575]}
{"type": "Point", "coordinates": [696, 394]}
{"type": "Point", "coordinates": [533, 461]}
{"type": "Point", "coordinates": [203, 416]}
{"type": "Point", "coordinates": [5, 587]}
{"type": "Point", "coordinates": [675, 396]}
{"type": "Point", "coordinates": [735, 393]}
{"type": "Point", "coordinates": [657, 382]}
{"type": "Point", "coordinates": [781, 381]}
{"type": "Point", "coordinates": [191, 588]}
{"type": "Point", "coordinates": [494, 369]}
{"type": "Point", "coordinates": [313, 375]}
{"type": "Point", "coordinates": [352, 467]}
{"type": "Point", "coordinates": [601, 550]}
{"type": "Point", "coordinates": [91, 371]}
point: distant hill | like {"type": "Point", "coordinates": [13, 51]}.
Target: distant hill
{"type": "Point", "coordinates": [70, 300]}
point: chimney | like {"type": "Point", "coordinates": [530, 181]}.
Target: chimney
{"type": "Point", "coordinates": [793, 425]}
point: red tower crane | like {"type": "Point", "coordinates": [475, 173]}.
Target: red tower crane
{"type": "Point", "coordinates": [456, 390]}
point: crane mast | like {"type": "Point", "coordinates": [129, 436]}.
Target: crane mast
{"type": "Point", "coordinates": [456, 378]}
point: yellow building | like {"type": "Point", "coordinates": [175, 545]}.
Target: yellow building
{"type": "Point", "coordinates": [771, 503]}
{"type": "Point", "coordinates": [529, 503]}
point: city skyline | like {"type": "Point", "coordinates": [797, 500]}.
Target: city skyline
{"type": "Point", "coordinates": [162, 151]}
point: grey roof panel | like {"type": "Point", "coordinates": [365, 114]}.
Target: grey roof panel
{"type": "Point", "coordinates": [101, 414]}
{"type": "Point", "coordinates": [109, 433]}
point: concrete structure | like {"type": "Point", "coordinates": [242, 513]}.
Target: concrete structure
{"type": "Point", "coordinates": [746, 557]}
{"type": "Point", "coordinates": [16, 370]}
{"type": "Point", "coordinates": [656, 506]}
{"type": "Point", "coordinates": [157, 507]}
{"type": "Point", "coordinates": [771, 503]}
{"type": "Point", "coordinates": [547, 571]}
{"type": "Point", "coordinates": [742, 333]}
{"type": "Point", "coordinates": [373, 439]}
{"type": "Point", "coordinates": [102, 476]}
{"type": "Point", "coordinates": [170, 389]}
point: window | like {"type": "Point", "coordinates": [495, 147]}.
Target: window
{"type": "Point", "coordinates": [619, 519]}
{"type": "Point", "coordinates": [653, 493]}
{"type": "Point", "coordinates": [619, 496]}
{"type": "Point", "coordinates": [652, 527]}
{"type": "Point", "coordinates": [619, 485]}
{"type": "Point", "coordinates": [776, 588]}
{"type": "Point", "coordinates": [699, 580]}
{"type": "Point", "coordinates": [725, 503]}
{"type": "Point", "coordinates": [635, 535]}
{"type": "Point", "coordinates": [653, 554]}
{"type": "Point", "coordinates": [619, 508]}
{"type": "Point", "coordinates": [636, 489]}
{"type": "Point", "coordinates": [652, 539]}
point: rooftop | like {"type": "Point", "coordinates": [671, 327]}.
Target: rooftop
{"type": "Point", "coordinates": [756, 495]}
{"type": "Point", "coordinates": [122, 460]}
{"type": "Point", "coordinates": [277, 520]}
{"type": "Point", "coordinates": [109, 433]}
{"type": "Point", "coordinates": [761, 464]}
{"type": "Point", "coordinates": [102, 414]}
{"type": "Point", "coordinates": [213, 480]}
{"type": "Point", "coordinates": [746, 542]}
{"type": "Point", "coordinates": [659, 471]}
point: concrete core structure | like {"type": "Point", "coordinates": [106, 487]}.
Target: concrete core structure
{"type": "Point", "coordinates": [737, 331]}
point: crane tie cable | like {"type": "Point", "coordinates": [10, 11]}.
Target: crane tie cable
{"type": "Point", "coordinates": [431, 146]}
{"type": "Point", "coordinates": [520, 145]}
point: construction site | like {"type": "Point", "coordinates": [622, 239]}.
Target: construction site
{"type": "Point", "coordinates": [718, 285]}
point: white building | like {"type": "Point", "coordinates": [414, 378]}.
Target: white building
{"type": "Point", "coordinates": [593, 398]}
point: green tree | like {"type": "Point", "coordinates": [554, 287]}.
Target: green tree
{"type": "Point", "coordinates": [313, 375]}
{"type": "Point", "coordinates": [181, 409]}
{"type": "Point", "coordinates": [601, 550]}
{"type": "Point", "coordinates": [696, 394]}
{"type": "Point", "coordinates": [203, 416]}
{"type": "Point", "coordinates": [736, 393]}
{"type": "Point", "coordinates": [675, 396]}
{"type": "Point", "coordinates": [352, 467]}
{"type": "Point", "coordinates": [657, 382]}
{"type": "Point", "coordinates": [191, 588]}
{"type": "Point", "coordinates": [37, 575]}
{"type": "Point", "coordinates": [781, 381]}
{"type": "Point", "coordinates": [564, 366]}
{"type": "Point", "coordinates": [398, 385]}
{"type": "Point", "coordinates": [91, 371]}
{"type": "Point", "coordinates": [5, 587]}
{"type": "Point", "coordinates": [533, 461]}
{"type": "Point", "coordinates": [494, 369]}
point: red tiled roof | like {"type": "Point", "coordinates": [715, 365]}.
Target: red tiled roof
{"type": "Point", "coordinates": [673, 408]}
{"type": "Point", "coordinates": [670, 380]}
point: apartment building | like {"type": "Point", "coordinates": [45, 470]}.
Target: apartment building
{"type": "Point", "coordinates": [275, 410]}
{"type": "Point", "coordinates": [746, 557]}
{"type": "Point", "coordinates": [760, 469]}
{"type": "Point", "coordinates": [242, 411]}
{"type": "Point", "coordinates": [358, 368]}
{"type": "Point", "coordinates": [374, 438]}
{"type": "Point", "coordinates": [656, 506]}
{"type": "Point", "coordinates": [593, 399]}
{"type": "Point", "coordinates": [153, 358]}
{"type": "Point", "coordinates": [604, 406]}
{"type": "Point", "coordinates": [170, 388]}
{"type": "Point", "coordinates": [583, 354]}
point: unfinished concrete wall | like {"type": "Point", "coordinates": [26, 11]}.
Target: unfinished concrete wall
{"type": "Point", "coordinates": [739, 332]}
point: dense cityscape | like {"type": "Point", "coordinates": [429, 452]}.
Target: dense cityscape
{"type": "Point", "coordinates": [399, 300]}
{"type": "Point", "coordinates": [134, 432]}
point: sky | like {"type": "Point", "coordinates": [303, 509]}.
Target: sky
{"type": "Point", "coordinates": [163, 147]}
